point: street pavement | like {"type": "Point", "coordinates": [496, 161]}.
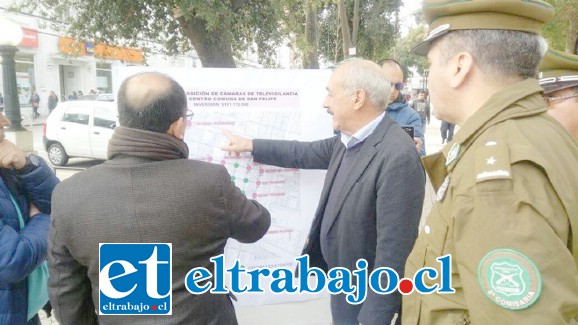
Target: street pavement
{"type": "Point", "coordinates": [248, 315]}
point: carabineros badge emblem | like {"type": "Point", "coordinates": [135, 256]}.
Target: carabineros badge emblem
{"type": "Point", "coordinates": [509, 279]}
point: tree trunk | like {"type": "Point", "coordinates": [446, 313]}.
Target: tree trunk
{"type": "Point", "coordinates": [355, 22]}
{"type": "Point", "coordinates": [310, 59]}
{"type": "Point", "coordinates": [396, 21]}
{"type": "Point", "coordinates": [338, 44]}
{"type": "Point", "coordinates": [213, 47]}
{"type": "Point", "coordinates": [572, 35]}
{"type": "Point", "coordinates": [344, 24]}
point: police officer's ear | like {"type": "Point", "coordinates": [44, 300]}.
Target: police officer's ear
{"type": "Point", "coordinates": [461, 68]}
{"type": "Point", "coordinates": [359, 100]}
{"type": "Point", "coordinates": [177, 128]}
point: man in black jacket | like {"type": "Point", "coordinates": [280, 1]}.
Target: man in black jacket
{"type": "Point", "coordinates": [372, 198]}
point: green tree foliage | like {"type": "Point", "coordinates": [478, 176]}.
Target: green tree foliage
{"type": "Point", "coordinates": [316, 31]}
{"type": "Point", "coordinates": [401, 52]}
{"type": "Point", "coordinates": [218, 30]}
{"type": "Point", "coordinates": [300, 23]}
{"type": "Point", "coordinates": [562, 31]}
{"type": "Point", "coordinates": [372, 31]}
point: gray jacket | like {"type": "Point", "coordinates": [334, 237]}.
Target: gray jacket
{"type": "Point", "coordinates": [191, 204]}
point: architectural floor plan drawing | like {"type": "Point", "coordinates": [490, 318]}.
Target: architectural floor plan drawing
{"type": "Point", "coordinates": [269, 104]}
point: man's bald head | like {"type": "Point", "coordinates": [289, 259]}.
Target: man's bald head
{"type": "Point", "coordinates": [150, 101]}
{"type": "Point", "coordinates": [392, 69]}
{"type": "Point", "coordinates": [144, 89]}
{"type": "Point", "coordinates": [394, 73]}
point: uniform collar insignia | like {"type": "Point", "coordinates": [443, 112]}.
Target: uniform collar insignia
{"type": "Point", "coordinates": [442, 191]}
{"type": "Point", "coordinates": [453, 154]}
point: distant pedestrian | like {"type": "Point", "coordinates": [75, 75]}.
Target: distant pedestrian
{"type": "Point", "coordinates": [421, 106]}
{"type": "Point", "coordinates": [1, 102]}
{"type": "Point", "coordinates": [447, 129]}
{"type": "Point", "coordinates": [397, 108]}
{"type": "Point", "coordinates": [52, 101]}
{"type": "Point", "coordinates": [35, 102]}
{"type": "Point", "coordinates": [73, 96]}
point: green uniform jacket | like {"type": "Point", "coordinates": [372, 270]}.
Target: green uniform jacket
{"type": "Point", "coordinates": [507, 207]}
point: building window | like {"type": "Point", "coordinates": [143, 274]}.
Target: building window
{"type": "Point", "coordinates": [104, 78]}
{"type": "Point", "coordinates": [25, 78]}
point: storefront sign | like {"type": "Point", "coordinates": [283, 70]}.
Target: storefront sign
{"type": "Point", "coordinates": [72, 46]}
{"type": "Point", "coordinates": [118, 53]}
{"type": "Point", "coordinates": [68, 45]}
{"type": "Point", "coordinates": [29, 38]}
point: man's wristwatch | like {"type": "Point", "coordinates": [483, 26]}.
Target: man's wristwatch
{"type": "Point", "coordinates": [32, 162]}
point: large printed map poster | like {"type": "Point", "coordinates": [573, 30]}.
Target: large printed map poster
{"type": "Point", "coordinates": [269, 104]}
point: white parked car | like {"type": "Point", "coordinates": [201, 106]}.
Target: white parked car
{"type": "Point", "coordinates": [101, 97]}
{"type": "Point", "coordinates": [79, 128]}
{"type": "Point", "coordinates": [105, 97]}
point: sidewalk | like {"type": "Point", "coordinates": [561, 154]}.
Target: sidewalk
{"type": "Point", "coordinates": [26, 114]}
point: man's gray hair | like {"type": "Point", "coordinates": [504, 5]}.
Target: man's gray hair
{"type": "Point", "coordinates": [368, 76]}
{"type": "Point", "coordinates": [497, 52]}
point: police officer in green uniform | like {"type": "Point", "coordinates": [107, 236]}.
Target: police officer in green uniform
{"type": "Point", "coordinates": [559, 78]}
{"type": "Point", "coordinates": [507, 185]}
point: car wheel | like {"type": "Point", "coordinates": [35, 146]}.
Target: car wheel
{"type": "Point", "coordinates": [57, 155]}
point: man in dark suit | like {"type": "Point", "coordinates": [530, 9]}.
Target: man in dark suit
{"type": "Point", "coordinates": [372, 198]}
{"type": "Point", "coordinates": [147, 192]}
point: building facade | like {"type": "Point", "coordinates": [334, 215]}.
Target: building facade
{"type": "Point", "coordinates": [47, 62]}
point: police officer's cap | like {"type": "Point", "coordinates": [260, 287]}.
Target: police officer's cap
{"type": "Point", "coordinates": [558, 70]}
{"type": "Point", "coordinates": [444, 16]}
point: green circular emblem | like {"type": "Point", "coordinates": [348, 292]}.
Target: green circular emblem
{"type": "Point", "coordinates": [509, 279]}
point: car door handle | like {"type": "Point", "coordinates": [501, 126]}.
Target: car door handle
{"type": "Point", "coordinates": [62, 128]}
{"type": "Point", "coordinates": [96, 132]}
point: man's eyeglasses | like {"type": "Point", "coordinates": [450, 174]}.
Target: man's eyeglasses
{"type": "Point", "coordinates": [189, 115]}
{"type": "Point", "coordinates": [551, 99]}
{"type": "Point", "coordinates": [397, 85]}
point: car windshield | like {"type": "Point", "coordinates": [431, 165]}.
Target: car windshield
{"type": "Point", "coordinates": [88, 97]}
{"type": "Point", "coordinates": [105, 97]}
{"type": "Point", "coordinates": [99, 97]}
